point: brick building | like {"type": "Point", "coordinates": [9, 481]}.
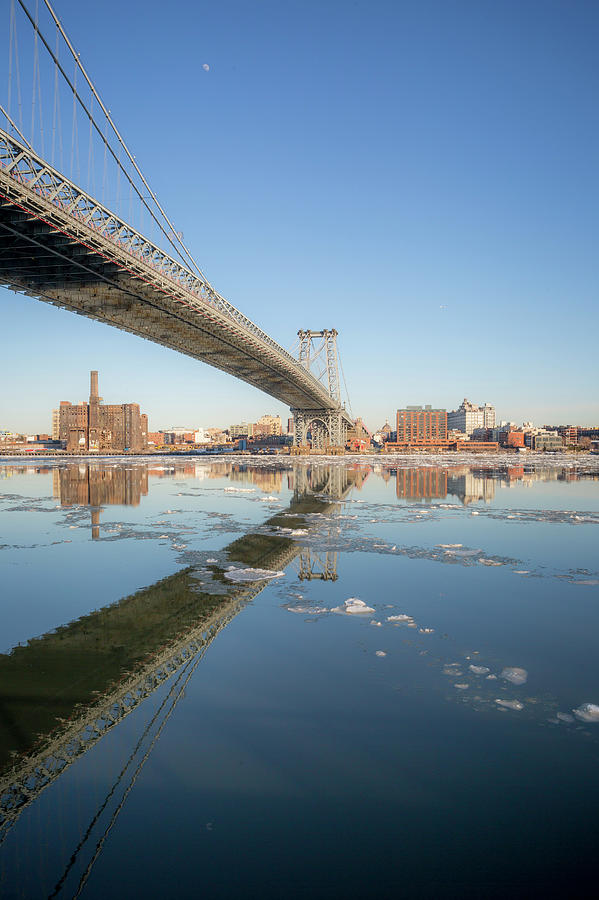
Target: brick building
{"type": "Point", "coordinates": [96, 427]}
{"type": "Point", "coordinates": [419, 426]}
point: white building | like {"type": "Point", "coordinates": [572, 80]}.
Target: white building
{"type": "Point", "coordinates": [468, 416]}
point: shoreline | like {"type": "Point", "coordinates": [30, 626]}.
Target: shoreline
{"type": "Point", "coordinates": [390, 460]}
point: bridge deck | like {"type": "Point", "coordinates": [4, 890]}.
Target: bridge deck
{"type": "Point", "coordinates": [59, 245]}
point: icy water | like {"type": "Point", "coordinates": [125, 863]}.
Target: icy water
{"type": "Point", "coordinates": [279, 679]}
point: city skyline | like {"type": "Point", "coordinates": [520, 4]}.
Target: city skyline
{"type": "Point", "coordinates": [451, 198]}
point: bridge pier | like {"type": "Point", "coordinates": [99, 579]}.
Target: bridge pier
{"type": "Point", "coordinates": [326, 427]}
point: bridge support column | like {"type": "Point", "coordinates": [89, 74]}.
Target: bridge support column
{"type": "Point", "coordinates": [321, 428]}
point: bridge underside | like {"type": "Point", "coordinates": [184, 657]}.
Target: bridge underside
{"type": "Point", "coordinates": [43, 260]}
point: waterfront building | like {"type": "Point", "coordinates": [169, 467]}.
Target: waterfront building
{"type": "Point", "coordinates": [468, 416]}
{"type": "Point", "coordinates": [421, 426]}
{"type": "Point", "coordinates": [569, 434]}
{"type": "Point", "coordinates": [244, 430]}
{"type": "Point", "coordinates": [267, 425]}
{"type": "Point", "coordinates": [96, 427]}
{"type": "Point", "coordinates": [548, 440]}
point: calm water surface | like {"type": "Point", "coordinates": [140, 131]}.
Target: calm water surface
{"type": "Point", "coordinates": [235, 679]}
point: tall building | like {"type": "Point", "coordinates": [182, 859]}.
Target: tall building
{"type": "Point", "coordinates": [55, 425]}
{"type": "Point", "coordinates": [95, 427]}
{"type": "Point", "coordinates": [468, 416]}
{"type": "Point", "coordinates": [420, 426]}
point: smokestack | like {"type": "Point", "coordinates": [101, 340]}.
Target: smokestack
{"type": "Point", "coordinates": [93, 389]}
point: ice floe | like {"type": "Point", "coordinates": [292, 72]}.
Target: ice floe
{"type": "Point", "coordinates": [515, 675]}
{"type": "Point", "coordinates": [587, 712]}
{"type": "Point", "coordinates": [401, 617]}
{"type": "Point", "coordinates": [308, 610]}
{"type": "Point", "coordinates": [353, 607]}
{"type": "Point", "coordinates": [479, 670]}
{"type": "Point", "coordinates": [249, 574]}
{"type": "Point", "coordinates": [380, 653]}
{"type": "Point", "coordinates": [461, 686]}
{"type": "Point", "coordinates": [510, 704]}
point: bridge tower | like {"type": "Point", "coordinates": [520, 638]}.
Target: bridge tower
{"type": "Point", "coordinates": [321, 427]}
{"type": "Point", "coordinates": [315, 566]}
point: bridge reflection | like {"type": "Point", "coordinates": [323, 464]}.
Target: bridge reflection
{"type": "Point", "coordinates": [122, 653]}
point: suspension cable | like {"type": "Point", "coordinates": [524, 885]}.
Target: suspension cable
{"type": "Point", "coordinates": [119, 137]}
{"type": "Point", "coordinates": [77, 97]}
{"type": "Point", "coordinates": [13, 124]}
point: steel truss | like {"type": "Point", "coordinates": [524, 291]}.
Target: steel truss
{"type": "Point", "coordinates": [52, 205]}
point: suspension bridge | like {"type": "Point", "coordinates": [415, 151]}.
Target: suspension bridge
{"type": "Point", "coordinates": [60, 243]}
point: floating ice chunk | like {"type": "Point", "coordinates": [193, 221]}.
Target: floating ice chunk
{"type": "Point", "coordinates": [353, 607]}
{"type": "Point", "coordinates": [249, 574]}
{"type": "Point", "coordinates": [269, 499]}
{"type": "Point", "coordinates": [510, 704]}
{"type": "Point", "coordinates": [474, 513]}
{"type": "Point", "coordinates": [426, 630]}
{"type": "Point", "coordinates": [238, 490]}
{"type": "Point", "coordinates": [380, 653]}
{"type": "Point", "coordinates": [464, 552]}
{"type": "Point", "coordinates": [211, 560]}
{"type": "Point", "coordinates": [587, 712]}
{"type": "Point", "coordinates": [515, 675]}
{"type": "Point", "coordinates": [298, 532]}
{"type": "Point", "coordinates": [491, 677]}
{"type": "Point", "coordinates": [461, 686]}
{"type": "Point", "coordinates": [490, 562]}
{"type": "Point", "coordinates": [449, 546]}
{"type": "Point", "coordinates": [564, 717]}
{"type": "Point", "coordinates": [374, 622]}
{"type": "Point", "coordinates": [402, 617]}
{"type": "Point", "coordinates": [309, 610]}
{"type": "Point", "coordinates": [452, 669]}
{"type": "Point", "coordinates": [479, 670]}
{"type": "Point", "coordinates": [521, 572]}
{"type": "Point", "coordinates": [582, 581]}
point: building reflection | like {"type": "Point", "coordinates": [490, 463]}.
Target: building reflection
{"type": "Point", "coordinates": [420, 483]}
{"type": "Point", "coordinates": [95, 485]}
{"type": "Point", "coordinates": [469, 484]}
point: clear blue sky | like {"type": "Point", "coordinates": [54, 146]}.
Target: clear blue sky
{"type": "Point", "coordinates": [423, 176]}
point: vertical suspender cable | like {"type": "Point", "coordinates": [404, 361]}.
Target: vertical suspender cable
{"type": "Point", "coordinates": [90, 183]}
{"type": "Point", "coordinates": [74, 123]}
{"type": "Point", "coordinates": [39, 94]}
{"type": "Point", "coordinates": [34, 78]}
{"type": "Point", "coordinates": [11, 16]}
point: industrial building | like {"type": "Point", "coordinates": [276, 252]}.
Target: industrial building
{"type": "Point", "coordinates": [96, 427]}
